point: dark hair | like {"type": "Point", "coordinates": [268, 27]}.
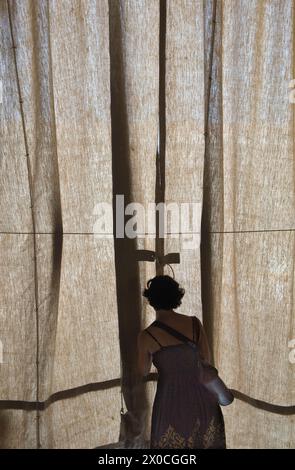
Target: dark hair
{"type": "Point", "coordinates": [163, 292]}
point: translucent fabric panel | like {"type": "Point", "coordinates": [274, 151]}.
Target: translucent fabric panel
{"type": "Point", "coordinates": [93, 423]}
{"type": "Point", "coordinates": [14, 187]}
{"type": "Point", "coordinates": [185, 143]}
{"type": "Point", "coordinates": [249, 212]}
{"type": "Point", "coordinates": [134, 48]}
{"type": "Point", "coordinates": [64, 101]}
{"type": "Point", "coordinates": [80, 125]}
{"type": "Point", "coordinates": [257, 117]}
{"type": "Point", "coordinates": [18, 429]}
{"type": "Point", "coordinates": [134, 51]}
{"type": "Point", "coordinates": [257, 429]}
{"type": "Point", "coordinates": [18, 320]}
{"type": "Point", "coordinates": [254, 313]}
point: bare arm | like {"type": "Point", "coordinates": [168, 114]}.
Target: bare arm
{"type": "Point", "coordinates": [214, 382]}
{"type": "Point", "coordinates": [144, 358]}
{"type": "Point", "coordinates": [203, 343]}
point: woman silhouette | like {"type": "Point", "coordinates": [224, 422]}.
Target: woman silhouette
{"type": "Point", "coordinates": [185, 414]}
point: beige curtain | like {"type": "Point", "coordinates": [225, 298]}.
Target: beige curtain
{"type": "Point", "coordinates": [248, 269]}
{"type": "Point", "coordinates": [177, 101]}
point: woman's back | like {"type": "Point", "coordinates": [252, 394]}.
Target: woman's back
{"type": "Point", "coordinates": [185, 414]}
{"type": "Point", "coordinates": [189, 326]}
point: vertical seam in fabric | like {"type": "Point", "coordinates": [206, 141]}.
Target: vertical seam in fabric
{"type": "Point", "coordinates": [29, 171]}
{"type": "Point", "coordinates": [207, 107]}
{"type": "Point", "coordinates": [60, 231]}
{"type": "Point", "coordinates": [160, 180]}
{"type": "Point", "coordinates": [210, 73]}
{"type": "Point", "coordinates": [293, 148]}
{"type": "Point", "coordinates": [221, 106]}
{"type": "Point", "coordinates": [220, 130]}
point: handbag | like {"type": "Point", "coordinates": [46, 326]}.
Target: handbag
{"type": "Point", "coordinates": [207, 373]}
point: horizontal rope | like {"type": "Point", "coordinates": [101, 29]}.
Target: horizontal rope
{"type": "Point", "coordinates": [150, 233]}
{"type": "Point", "coordinates": [96, 386]}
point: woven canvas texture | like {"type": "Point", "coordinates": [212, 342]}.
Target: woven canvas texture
{"type": "Point", "coordinates": [79, 125]}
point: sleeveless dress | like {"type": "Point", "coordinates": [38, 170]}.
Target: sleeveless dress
{"type": "Point", "coordinates": [185, 415]}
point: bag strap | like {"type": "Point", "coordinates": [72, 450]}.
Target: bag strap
{"type": "Point", "coordinates": [153, 337]}
{"type": "Point", "coordinates": [174, 333]}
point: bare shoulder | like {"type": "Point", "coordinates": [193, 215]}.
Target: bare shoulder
{"type": "Point", "coordinates": [180, 320]}
{"type": "Point", "coordinates": [142, 335]}
{"type": "Point", "coordinates": [143, 340]}
{"type": "Point", "coordinates": [188, 318]}
{"type": "Point", "coordinates": [198, 320]}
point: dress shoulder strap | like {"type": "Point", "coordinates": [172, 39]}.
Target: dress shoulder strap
{"type": "Point", "coordinates": [173, 332]}
{"type": "Point", "coordinates": [153, 337]}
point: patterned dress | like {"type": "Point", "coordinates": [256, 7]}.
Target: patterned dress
{"type": "Point", "coordinates": [185, 414]}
